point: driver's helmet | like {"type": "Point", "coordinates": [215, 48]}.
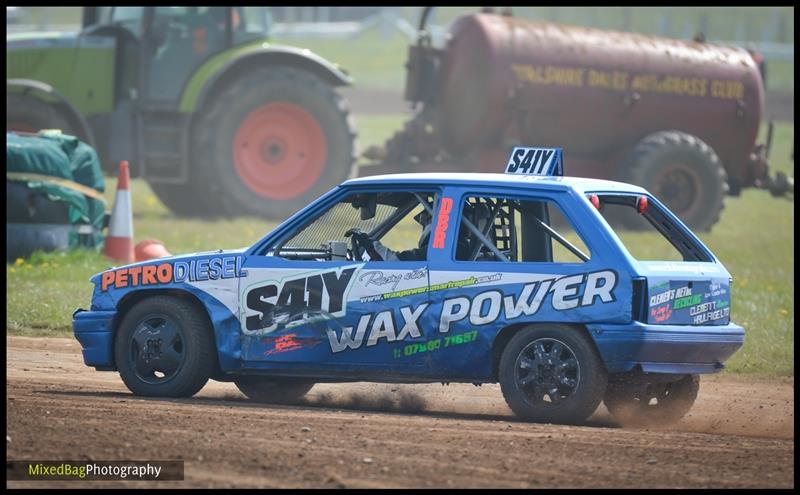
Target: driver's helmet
{"type": "Point", "coordinates": [424, 218]}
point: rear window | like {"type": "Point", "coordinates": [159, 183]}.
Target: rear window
{"type": "Point", "coordinates": [645, 229]}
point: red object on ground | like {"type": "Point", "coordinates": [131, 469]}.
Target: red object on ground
{"type": "Point", "coordinates": [119, 241]}
{"type": "Point", "coordinates": [149, 249]}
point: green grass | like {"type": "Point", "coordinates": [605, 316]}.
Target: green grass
{"type": "Point", "coordinates": [754, 239]}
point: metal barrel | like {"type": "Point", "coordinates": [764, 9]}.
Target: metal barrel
{"type": "Point", "coordinates": [591, 91]}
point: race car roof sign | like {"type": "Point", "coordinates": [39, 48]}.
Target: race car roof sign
{"type": "Point", "coordinates": [536, 161]}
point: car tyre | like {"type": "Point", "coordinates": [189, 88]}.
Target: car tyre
{"type": "Point", "coordinates": [552, 373]}
{"type": "Point", "coordinates": [273, 390]}
{"type": "Point", "coordinates": [165, 348]}
{"type": "Point", "coordinates": [651, 404]}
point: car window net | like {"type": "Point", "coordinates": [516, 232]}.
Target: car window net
{"type": "Point", "coordinates": [332, 225]}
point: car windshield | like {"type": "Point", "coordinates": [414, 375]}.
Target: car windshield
{"type": "Point", "coordinates": [383, 216]}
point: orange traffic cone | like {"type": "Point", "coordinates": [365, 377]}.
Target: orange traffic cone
{"type": "Point", "coordinates": [149, 249]}
{"type": "Point", "coordinates": [119, 241]}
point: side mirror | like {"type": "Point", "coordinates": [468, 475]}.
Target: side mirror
{"type": "Point", "coordinates": [367, 204]}
{"type": "Point", "coordinates": [369, 208]}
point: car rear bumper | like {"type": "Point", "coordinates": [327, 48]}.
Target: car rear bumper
{"type": "Point", "coordinates": [94, 331]}
{"type": "Point", "coordinates": [666, 348]}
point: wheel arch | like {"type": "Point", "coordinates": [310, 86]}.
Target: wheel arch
{"type": "Point", "coordinates": [194, 99]}
{"type": "Point", "coordinates": [51, 96]}
{"type": "Point", "coordinates": [504, 336]}
{"type": "Point", "coordinates": [131, 299]}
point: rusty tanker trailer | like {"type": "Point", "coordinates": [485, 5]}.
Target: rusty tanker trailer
{"type": "Point", "coordinates": [680, 118]}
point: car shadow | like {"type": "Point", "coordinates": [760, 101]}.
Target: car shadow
{"type": "Point", "coordinates": [379, 405]}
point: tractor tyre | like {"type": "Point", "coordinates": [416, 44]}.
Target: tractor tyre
{"type": "Point", "coordinates": [30, 114]}
{"type": "Point", "coordinates": [272, 141]}
{"type": "Point", "coordinates": [684, 173]}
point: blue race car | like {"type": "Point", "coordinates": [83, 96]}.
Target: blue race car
{"type": "Point", "coordinates": [519, 278]}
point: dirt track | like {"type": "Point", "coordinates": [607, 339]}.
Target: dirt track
{"type": "Point", "coordinates": [739, 434]}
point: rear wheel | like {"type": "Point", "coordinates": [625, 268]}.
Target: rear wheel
{"type": "Point", "coordinates": [651, 404]}
{"type": "Point", "coordinates": [271, 142]}
{"type": "Point", "coordinates": [683, 172]}
{"type": "Point", "coordinates": [29, 114]}
{"type": "Point", "coordinates": [273, 390]}
{"type": "Point", "coordinates": [552, 374]}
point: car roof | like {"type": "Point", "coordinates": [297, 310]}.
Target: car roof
{"type": "Point", "coordinates": [532, 182]}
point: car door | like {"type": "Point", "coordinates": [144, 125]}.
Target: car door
{"type": "Point", "coordinates": [309, 304]}
{"type": "Point", "coordinates": [498, 267]}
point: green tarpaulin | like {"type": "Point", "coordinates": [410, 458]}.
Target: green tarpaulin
{"type": "Point", "coordinates": [64, 166]}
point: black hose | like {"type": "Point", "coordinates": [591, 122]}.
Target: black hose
{"type": "Point", "coordinates": [423, 19]}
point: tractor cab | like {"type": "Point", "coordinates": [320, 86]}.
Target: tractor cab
{"type": "Point", "coordinates": [197, 102]}
{"type": "Point", "coordinates": [158, 48]}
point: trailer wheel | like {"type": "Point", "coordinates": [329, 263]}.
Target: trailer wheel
{"type": "Point", "coordinates": [651, 404]}
{"type": "Point", "coordinates": [271, 142]}
{"type": "Point", "coordinates": [273, 390]}
{"type": "Point", "coordinates": [165, 348]}
{"type": "Point", "coordinates": [30, 114]}
{"type": "Point", "coordinates": [683, 172]}
{"type": "Point", "coordinates": [552, 374]}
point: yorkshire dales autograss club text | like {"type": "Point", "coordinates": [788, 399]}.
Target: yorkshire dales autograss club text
{"type": "Point", "coordinates": [95, 470]}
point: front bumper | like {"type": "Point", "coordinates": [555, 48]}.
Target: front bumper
{"type": "Point", "coordinates": [95, 332]}
{"type": "Point", "coordinates": [666, 348]}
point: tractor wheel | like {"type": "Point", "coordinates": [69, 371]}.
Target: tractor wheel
{"type": "Point", "coordinates": [271, 142]}
{"type": "Point", "coordinates": [684, 173]}
{"type": "Point", "coordinates": [273, 390]}
{"type": "Point", "coordinates": [30, 114]}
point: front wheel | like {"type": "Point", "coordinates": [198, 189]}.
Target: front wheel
{"type": "Point", "coordinates": [651, 404]}
{"type": "Point", "coordinates": [273, 390]}
{"type": "Point", "coordinates": [165, 348]}
{"type": "Point", "coordinates": [552, 374]}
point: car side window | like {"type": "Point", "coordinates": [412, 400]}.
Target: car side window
{"type": "Point", "coordinates": [517, 230]}
{"type": "Point", "coordinates": [365, 226]}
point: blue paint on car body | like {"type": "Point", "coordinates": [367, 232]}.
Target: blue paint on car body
{"type": "Point", "coordinates": [437, 319]}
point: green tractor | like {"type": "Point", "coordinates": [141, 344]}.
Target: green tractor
{"type": "Point", "coordinates": [218, 120]}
